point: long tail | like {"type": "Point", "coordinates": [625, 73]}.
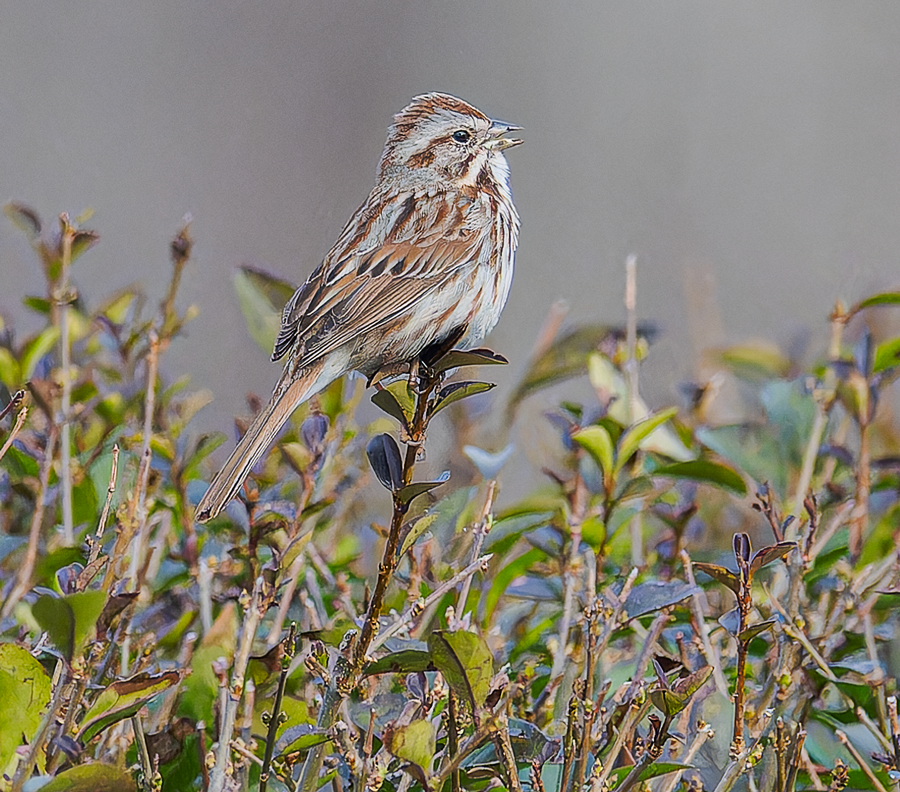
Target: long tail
{"type": "Point", "coordinates": [287, 397]}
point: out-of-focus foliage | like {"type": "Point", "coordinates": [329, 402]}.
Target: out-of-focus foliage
{"type": "Point", "coordinates": [683, 602]}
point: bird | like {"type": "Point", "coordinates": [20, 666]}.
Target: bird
{"type": "Point", "coordinates": [427, 258]}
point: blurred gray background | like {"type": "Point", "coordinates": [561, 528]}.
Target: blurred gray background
{"type": "Point", "coordinates": [747, 153]}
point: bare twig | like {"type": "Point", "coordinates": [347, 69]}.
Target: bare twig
{"type": "Point", "coordinates": [632, 717]}
{"type": "Point", "coordinates": [824, 398]}
{"type": "Point", "coordinates": [62, 298]}
{"type": "Point", "coordinates": [23, 579]}
{"type": "Point", "coordinates": [837, 521]}
{"type": "Point", "coordinates": [147, 772]}
{"type": "Point", "coordinates": [738, 765]}
{"type": "Point", "coordinates": [479, 532]}
{"type": "Point", "coordinates": [577, 508]}
{"type": "Point", "coordinates": [631, 364]}
{"type": "Point", "coordinates": [503, 747]}
{"type": "Point", "coordinates": [798, 634]}
{"type": "Point", "coordinates": [712, 656]}
{"type": "Point", "coordinates": [239, 670]}
{"type": "Point", "coordinates": [104, 515]}
{"type": "Point", "coordinates": [23, 771]}
{"type": "Point", "coordinates": [292, 578]}
{"type": "Point", "coordinates": [703, 735]}
{"type": "Point", "coordinates": [20, 422]}
{"type": "Point", "coordinates": [649, 645]}
{"type": "Point", "coordinates": [136, 514]}
{"type": "Point", "coordinates": [811, 770]}
{"type": "Point", "coordinates": [290, 643]}
{"type": "Point", "coordinates": [632, 370]}
{"type": "Point", "coordinates": [857, 757]}
{"type": "Point", "coordinates": [417, 608]}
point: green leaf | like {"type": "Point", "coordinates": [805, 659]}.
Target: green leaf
{"type": "Point", "coordinates": [24, 217]}
{"type": "Point", "coordinates": [753, 449]}
{"type": "Point", "coordinates": [672, 700]}
{"type": "Point", "coordinates": [635, 435]}
{"type": "Point", "coordinates": [35, 349]}
{"type": "Point", "coordinates": [262, 298]}
{"type": "Point", "coordinates": [755, 629]}
{"type": "Point", "coordinates": [565, 358]}
{"type": "Point", "coordinates": [413, 743]}
{"type": "Point", "coordinates": [123, 699]}
{"type": "Point", "coordinates": [457, 391]}
{"type": "Point", "coordinates": [720, 573]}
{"type": "Point", "coordinates": [654, 595]}
{"type": "Point", "coordinates": [93, 777]}
{"type": "Point", "coordinates": [406, 494]}
{"type": "Point", "coordinates": [416, 530]}
{"type": "Point", "coordinates": [598, 443]}
{"type": "Point", "coordinates": [68, 620]}
{"type": "Point", "coordinates": [82, 241]}
{"type": "Point", "coordinates": [653, 770]}
{"type": "Point", "coordinates": [466, 663]}
{"type": "Point", "coordinates": [303, 737]}
{"type": "Point", "coordinates": [398, 400]}
{"type": "Point", "coordinates": [707, 471]}
{"type": "Point", "coordinates": [885, 298]}
{"type": "Point", "coordinates": [756, 361]}
{"type": "Point", "coordinates": [887, 355]}
{"type": "Point", "coordinates": [506, 574]}
{"type": "Point", "coordinates": [407, 661]}
{"type": "Point", "coordinates": [608, 381]}
{"type": "Point", "coordinates": [24, 692]}
{"type": "Point", "coordinates": [469, 357]}
{"type": "Point", "coordinates": [767, 555]}
{"type": "Point", "coordinates": [10, 370]}
{"type": "Point", "coordinates": [40, 305]}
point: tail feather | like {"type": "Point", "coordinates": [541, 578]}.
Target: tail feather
{"type": "Point", "coordinates": [255, 442]}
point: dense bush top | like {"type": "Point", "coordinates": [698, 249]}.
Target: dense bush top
{"type": "Point", "coordinates": [684, 603]}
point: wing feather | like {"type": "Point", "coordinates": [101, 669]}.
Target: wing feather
{"type": "Point", "coordinates": [375, 273]}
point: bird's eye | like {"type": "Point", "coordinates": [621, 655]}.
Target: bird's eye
{"type": "Point", "coordinates": [461, 136]}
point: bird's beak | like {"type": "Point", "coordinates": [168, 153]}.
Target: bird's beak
{"type": "Point", "coordinates": [497, 130]}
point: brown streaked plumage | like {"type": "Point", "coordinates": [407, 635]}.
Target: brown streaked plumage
{"type": "Point", "coordinates": [429, 252]}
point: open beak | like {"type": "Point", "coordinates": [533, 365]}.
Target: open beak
{"type": "Point", "coordinates": [497, 130]}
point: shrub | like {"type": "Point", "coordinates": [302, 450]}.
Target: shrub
{"type": "Point", "coordinates": [598, 634]}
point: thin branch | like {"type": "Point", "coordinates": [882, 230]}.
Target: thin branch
{"type": "Point", "coordinates": [712, 655]}
{"type": "Point", "coordinates": [799, 635]}
{"type": "Point", "coordinates": [631, 719]}
{"type": "Point", "coordinates": [857, 757]}
{"type": "Point", "coordinates": [63, 298]}
{"type": "Point", "coordinates": [238, 672]}
{"type": "Point", "coordinates": [136, 514]}
{"type": "Point", "coordinates": [480, 530]}
{"type": "Point", "coordinates": [738, 765]}
{"type": "Point", "coordinates": [631, 380]}
{"type": "Point", "coordinates": [23, 771]}
{"type": "Point", "coordinates": [417, 608]}
{"type": "Point", "coordinates": [20, 422]}
{"type": "Point", "coordinates": [649, 645]}
{"type": "Point", "coordinates": [290, 642]}
{"type": "Point", "coordinates": [23, 581]}
{"type": "Point", "coordinates": [578, 501]}
{"type": "Point", "coordinates": [705, 734]}
{"type": "Point", "coordinates": [147, 773]}
{"type": "Point", "coordinates": [824, 399]}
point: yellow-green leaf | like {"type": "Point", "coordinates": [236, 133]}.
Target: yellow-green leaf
{"type": "Point", "coordinates": [123, 699]}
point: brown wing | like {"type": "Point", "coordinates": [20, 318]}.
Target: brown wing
{"type": "Point", "coordinates": [377, 272]}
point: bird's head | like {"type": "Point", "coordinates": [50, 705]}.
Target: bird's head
{"type": "Point", "coordinates": [440, 140]}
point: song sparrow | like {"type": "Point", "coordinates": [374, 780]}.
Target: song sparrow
{"type": "Point", "coordinates": [427, 257]}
